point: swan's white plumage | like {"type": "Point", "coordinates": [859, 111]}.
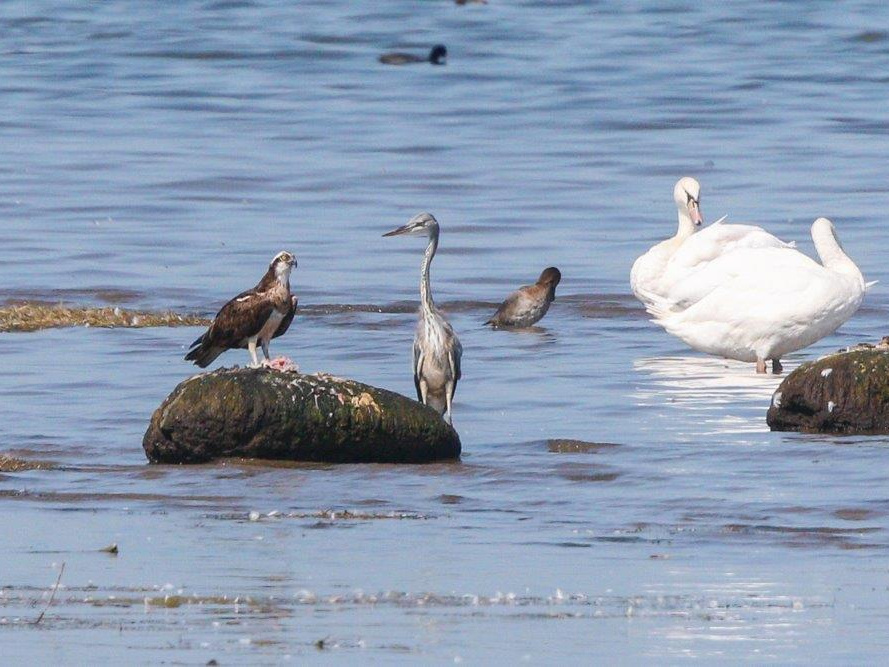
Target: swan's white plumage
{"type": "Point", "coordinates": [772, 301]}
{"type": "Point", "coordinates": [670, 262]}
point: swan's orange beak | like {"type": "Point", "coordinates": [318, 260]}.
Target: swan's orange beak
{"type": "Point", "coordinates": [694, 211]}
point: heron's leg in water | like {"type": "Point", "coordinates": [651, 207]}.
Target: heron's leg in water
{"type": "Point", "coordinates": [251, 347]}
{"type": "Point", "coordinates": [776, 366]}
{"type": "Point", "coordinates": [449, 395]}
{"type": "Point", "coordinates": [760, 366]}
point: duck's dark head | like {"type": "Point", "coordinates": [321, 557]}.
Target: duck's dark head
{"type": "Point", "coordinates": [550, 276]}
{"type": "Point", "coordinates": [438, 54]}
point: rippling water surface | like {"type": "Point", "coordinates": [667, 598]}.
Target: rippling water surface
{"type": "Point", "coordinates": [620, 497]}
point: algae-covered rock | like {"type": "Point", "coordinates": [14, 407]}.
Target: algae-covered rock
{"type": "Point", "coordinates": [847, 392]}
{"type": "Point", "coordinates": [271, 414]}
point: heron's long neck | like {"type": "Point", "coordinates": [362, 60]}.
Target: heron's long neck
{"type": "Point", "coordinates": [425, 292]}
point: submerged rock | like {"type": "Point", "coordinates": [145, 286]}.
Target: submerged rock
{"type": "Point", "coordinates": [264, 413]}
{"type": "Point", "coordinates": [847, 392]}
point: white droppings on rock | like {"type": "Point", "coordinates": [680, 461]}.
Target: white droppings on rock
{"type": "Point", "coordinates": [776, 399]}
{"type": "Point", "coordinates": [826, 372]}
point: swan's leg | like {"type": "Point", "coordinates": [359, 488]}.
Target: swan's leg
{"type": "Point", "coordinates": [760, 366]}
{"type": "Point", "coordinates": [776, 366]}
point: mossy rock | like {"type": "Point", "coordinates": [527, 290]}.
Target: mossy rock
{"type": "Point", "coordinates": [272, 414]}
{"type": "Point", "coordinates": [847, 392]}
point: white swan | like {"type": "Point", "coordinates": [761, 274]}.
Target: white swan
{"type": "Point", "coordinates": [671, 262]}
{"type": "Point", "coordinates": [777, 301]}
{"type": "Point", "coordinates": [648, 269]}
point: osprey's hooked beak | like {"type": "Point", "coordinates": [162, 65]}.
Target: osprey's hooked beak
{"type": "Point", "coordinates": [404, 229]}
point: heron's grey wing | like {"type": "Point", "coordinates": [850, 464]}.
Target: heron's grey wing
{"type": "Point", "coordinates": [418, 353]}
{"type": "Point", "coordinates": [457, 359]}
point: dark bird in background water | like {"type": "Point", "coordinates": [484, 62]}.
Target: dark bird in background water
{"type": "Point", "coordinates": [528, 304]}
{"type": "Point", "coordinates": [437, 350]}
{"type": "Point", "coordinates": [437, 56]}
{"type": "Point", "coordinates": [253, 317]}
{"type": "Point", "coordinates": [471, 2]}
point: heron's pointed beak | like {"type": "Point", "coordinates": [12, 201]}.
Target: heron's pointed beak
{"type": "Point", "coordinates": [694, 211]}
{"type": "Point", "coordinates": [401, 230]}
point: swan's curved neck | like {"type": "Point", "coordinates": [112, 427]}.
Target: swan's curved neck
{"type": "Point", "coordinates": [832, 255]}
{"type": "Point", "coordinates": [686, 226]}
{"type": "Point", "coordinates": [426, 301]}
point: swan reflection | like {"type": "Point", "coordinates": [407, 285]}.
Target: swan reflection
{"type": "Point", "coordinates": [700, 384]}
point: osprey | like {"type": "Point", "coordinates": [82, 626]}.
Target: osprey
{"type": "Point", "coordinates": [254, 316]}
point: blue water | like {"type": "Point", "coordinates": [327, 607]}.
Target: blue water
{"type": "Point", "coordinates": [157, 155]}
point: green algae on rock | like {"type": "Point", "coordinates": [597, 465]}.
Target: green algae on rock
{"type": "Point", "coordinates": [844, 393]}
{"type": "Point", "coordinates": [284, 415]}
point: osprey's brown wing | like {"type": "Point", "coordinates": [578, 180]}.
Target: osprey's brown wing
{"type": "Point", "coordinates": [288, 318]}
{"type": "Point", "coordinates": [242, 317]}
{"type": "Point", "coordinates": [239, 319]}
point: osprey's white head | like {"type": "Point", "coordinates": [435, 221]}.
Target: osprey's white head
{"type": "Point", "coordinates": [282, 265]}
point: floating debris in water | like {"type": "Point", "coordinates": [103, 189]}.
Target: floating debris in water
{"type": "Point", "coordinates": [567, 446]}
{"type": "Point", "coordinates": [13, 464]}
{"type": "Point", "coordinates": [110, 549]}
{"type": "Point", "coordinates": [34, 316]}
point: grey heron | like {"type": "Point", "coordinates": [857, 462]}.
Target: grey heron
{"type": "Point", "coordinates": [437, 350]}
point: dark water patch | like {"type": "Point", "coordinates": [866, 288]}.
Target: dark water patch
{"type": "Point", "coordinates": [221, 5]}
{"type": "Point", "coordinates": [110, 295]}
{"type": "Point", "coordinates": [217, 183]}
{"type": "Point", "coordinates": [225, 55]}
{"type": "Point", "coordinates": [846, 124]}
{"type": "Point", "coordinates": [870, 36]}
{"type": "Point", "coordinates": [327, 516]}
{"type": "Point", "coordinates": [67, 498]}
{"type": "Point", "coordinates": [603, 306]}
{"type": "Point", "coordinates": [567, 446]}
{"type": "Point", "coordinates": [857, 514]}
{"type": "Point", "coordinates": [261, 465]}
{"type": "Point", "coordinates": [586, 473]}
{"type": "Point", "coordinates": [110, 34]}
{"type": "Point", "coordinates": [322, 309]}
{"type": "Point", "coordinates": [804, 537]}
